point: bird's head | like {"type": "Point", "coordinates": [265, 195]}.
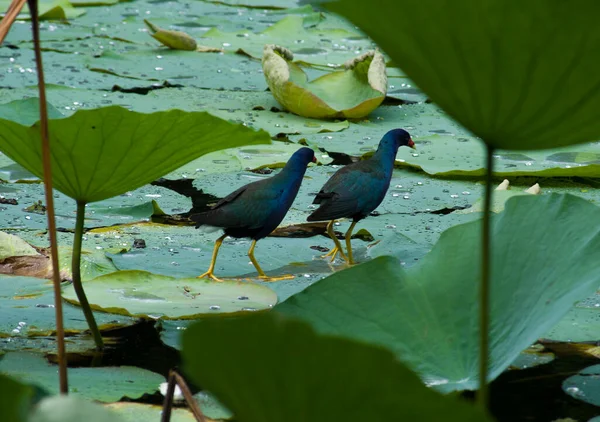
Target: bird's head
{"type": "Point", "coordinates": [301, 158]}
{"type": "Point", "coordinates": [397, 138]}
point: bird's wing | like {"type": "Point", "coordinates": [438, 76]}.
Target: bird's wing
{"type": "Point", "coordinates": [246, 207]}
{"type": "Point", "coordinates": [345, 192]}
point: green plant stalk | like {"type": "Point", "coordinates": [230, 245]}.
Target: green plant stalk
{"type": "Point", "coordinates": [76, 270]}
{"type": "Point", "coordinates": [484, 288]}
{"type": "Point", "coordinates": [45, 139]}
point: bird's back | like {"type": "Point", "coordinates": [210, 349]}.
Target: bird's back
{"type": "Point", "coordinates": [254, 210]}
{"type": "Point", "coordinates": [354, 191]}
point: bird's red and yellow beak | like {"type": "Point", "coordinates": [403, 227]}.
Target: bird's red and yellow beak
{"type": "Point", "coordinates": [314, 160]}
{"type": "Point", "coordinates": [411, 144]}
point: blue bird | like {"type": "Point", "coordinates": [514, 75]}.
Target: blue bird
{"type": "Point", "coordinates": [256, 209]}
{"type": "Point", "coordinates": [357, 189]}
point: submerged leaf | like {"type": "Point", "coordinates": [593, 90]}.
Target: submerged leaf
{"type": "Point", "coordinates": [100, 153]}
{"type": "Point", "coordinates": [351, 93]}
{"type": "Point", "coordinates": [428, 313]}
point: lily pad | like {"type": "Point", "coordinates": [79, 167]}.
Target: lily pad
{"type": "Point", "coordinates": [27, 309]}
{"type": "Point", "coordinates": [104, 165]}
{"type": "Point", "coordinates": [27, 112]}
{"type": "Point", "coordinates": [585, 385]}
{"type": "Point", "coordinates": [11, 245]}
{"type": "Point", "coordinates": [143, 294]}
{"type": "Point", "coordinates": [352, 93]}
{"type": "Point", "coordinates": [278, 348]}
{"type": "Point", "coordinates": [104, 384]}
{"type": "Point", "coordinates": [48, 10]}
{"type": "Point", "coordinates": [484, 65]}
{"type": "Point", "coordinates": [136, 412]}
{"type": "Point", "coordinates": [71, 409]}
{"type": "Point", "coordinates": [310, 39]}
{"type": "Point", "coordinates": [406, 310]}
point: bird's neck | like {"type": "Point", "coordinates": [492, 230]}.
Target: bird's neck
{"type": "Point", "coordinates": [294, 170]}
{"type": "Point", "coordinates": [385, 155]}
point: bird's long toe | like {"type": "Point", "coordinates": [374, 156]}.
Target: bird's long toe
{"type": "Point", "coordinates": [209, 274]}
{"type": "Point", "coordinates": [279, 278]}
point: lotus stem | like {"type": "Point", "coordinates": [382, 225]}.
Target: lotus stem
{"type": "Point", "coordinates": [176, 379]}
{"type": "Point", "coordinates": [484, 288]}
{"type": "Point", "coordinates": [45, 139]}
{"type": "Point", "coordinates": [76, 270]}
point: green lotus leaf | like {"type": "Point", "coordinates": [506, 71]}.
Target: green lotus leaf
{"type": "Point", "coordinates": [512, 86]}
{"type": "Point", "coordinates": [351, 93]}
{"type": "Point", "coordinates": [72, 409]}
{"type": "Point", "coordinates": [14, 399]}
{"type": "Point", "coordinates": [101, 153]}
{"type": "Point", "coordinates": [105, 384]}
{"type": "Point", "coordinates": [48, 10]}
{"type": "Point", "coordinates": [136, 412]}
{"type": "Point", "coordinates": [143, 294]}
{"type": "Point", "coordinates": [27, 311]}
{"type": "Point", "coordinates": [428, 313]}
{"type": "Point", "coordinates": [321, 368]}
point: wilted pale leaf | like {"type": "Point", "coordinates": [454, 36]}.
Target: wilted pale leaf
{"type": "Point", "coordinates": [351, 93]}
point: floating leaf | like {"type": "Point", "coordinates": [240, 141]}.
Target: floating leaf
{"type": "Point", "coordinates": [585, 385]}
{"type": "Point", "coordinates": [48, 10]}
{"type": "Point", "coordinates": [352, 93]}
{"type": "Point", "coordinates": [122, 150]}
{"type": "Point", "coordinates": [513, 87]}
{"type": "Point", "coordinates": [136, 412]}
{"type": "Point", "coordinates": [11, 245]}
{"type": "Point", "coordinates": [314, 38]}
{"type": "Point", "coordinates": [143, 294]}
{"type": "Point", "coordinates": [105, 384]}
{"type": "Point", "coordinates": [71, 409]}
{"type": "Point", "coordinates": [434, 302]}
{"type": "Point", "coordinates": [282, 350]}
{"type": "Point", "coordinates": [27, 310]}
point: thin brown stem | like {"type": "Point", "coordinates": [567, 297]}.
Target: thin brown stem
{"type": "Point", "coordinates": [11, 15]}
{"type": "Point", "coordinates": [45, 139]}
{"type": "Point", "coordinates": [176, 379]}
{"type": "Point", "coordinates": [484, 288]}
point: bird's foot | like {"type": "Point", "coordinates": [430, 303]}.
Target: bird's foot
{"type": "Point", "coordinates": [333, 253]}
{"type": "Point", "coordinates": [209, 274]}
{"type": "Point", "coordinates": [279, 278]}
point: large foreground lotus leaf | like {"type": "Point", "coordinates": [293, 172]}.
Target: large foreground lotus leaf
{"type": "Point", "coordinates": [105, 384]}
{"type": "Point", "coordinates": [544, 257]}
{"type": "Point", "coordinates": [351, 93]}
{"type": "Point", "coordinates": [322, 369]}
{"type": "Point", "coordinates": [143, 294]}
{"type": "Point", "coordinates": [512, 86]}
{"type": "Point", "coordinates": [14, 399]}
{"type": "Point", "coordinates": [100, 153]}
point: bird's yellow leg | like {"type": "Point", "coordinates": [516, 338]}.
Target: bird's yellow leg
{"type": "Point", "coordinates": [338, 246]}
{"type": "Point", "coordinates": [261, 274]}
{"type": "Point", "coordinates": [350, 260]}
{"type": "Point", "coordinates": [213, 260]}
